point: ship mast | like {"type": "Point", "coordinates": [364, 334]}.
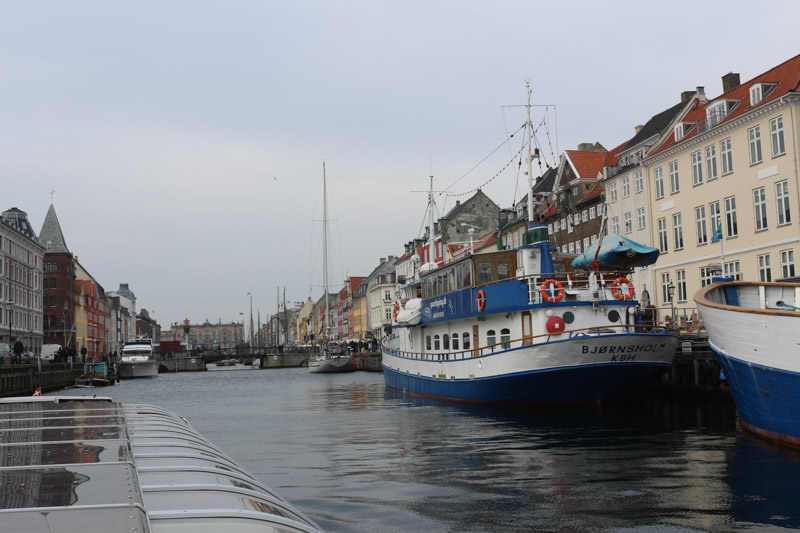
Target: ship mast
{"type": "Point", "coordinates": [325, 246]}
{"type": "Point", "coordinates": [529, 131]}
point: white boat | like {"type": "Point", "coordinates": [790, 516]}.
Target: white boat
{"type": "Point", "coordinates": [754, 328]}
{"type": "Point", "coordinates": [137, 360]}
{"type": "Point", "coordinates": [504, 327]}
{"type": "Point", "coordinates": [330, 358]}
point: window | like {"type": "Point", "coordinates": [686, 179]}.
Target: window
{"type": "Point", "coordinates": [662, 235]}
{"type": "Point", "coordinates": [585, 242]}
{"type": "Point", "coordinates": [782, 199]}
{"type": "Point", "coordinates": [484, 273]}
{"type": "Point", "coordinates": [674, 186]}
{"type": "Point", "coordinates": [465, 338]}
{"type": "Point", "coordinates": [727, 156]}
{"type": "Point", "coordinates": [731, 223]}
{"type": "Point", "coordinates": [577, 246]}
{"type": "Point", "coordinates": [502, 270]}
{"type": "Point", "coordinates": [615, 225]}
{"type": "Point", "coordinates": [428, 343]}
{"type": "Point", "coordinates": [576, 219]}
{"type": "Point", "coordinates": [677, 228]}
{"type": "Point", "coordinates": [776, 132]}
{"type": "Point", "coordinates": [549, 229]}
{"type": "Point", "coordinates": [711, 162]}
{"type": "Point", "coordinates": [697, 168]}
{"type": "Point", "coordinates": [455, 341]}
{"type": "Point", "coordinates": [446, 342]}
{"type": "Point", "coordinates": [571, 247]}
{"type": "Point", "coordinates": [594, 238]}
{"type": "Point", "coordinates": [569, 223]}
{"type": "Point", "coordinates": [505, 338]}
{"type": "Point", "coordinates": [437, 343]}
{"type": "Point", "coordinates": [658, 182]}
{"type": "Point", "coordinates": [756, 94]}
{"type": "Point", "coordinates": [628, 220]}
{"type": "Point", "coordinates": [787, 263]}
{"type": "Point", "coordinates": [760, 208]}
{"type": "Point", "coordinates": [665, 287]}
{"type": "Point", "coordinates": [700, 220]}
{"type": "Point", "coordinates": [612, 192]}
{"type": "Point", "coordinates": [641, 221]}
{"type": "Point", "coordinates": [733, 270]}
{"type": "Point", "coordinates": [714, 215]}
{"type": "Point", "coordinates": [584, 216]}
{"type": "Point", "coordinates": [705, 277]}
{"type": "Point", "coordinates": [754, 135]}
{"type": "Point", "coordinates": [591, 212]}
{"type": "Point", "coordinates": [764, 271]}
{"type": "Point", "coordinates": [639, 179]}
{"type": "Point", "coordinates": [680, 277]}
{"type": "Point", "coordinates": [490, 338]}
{"type": "Point", "coordinates": [626, 186]}
{"type": "Point", "coordinates": [563, 224]}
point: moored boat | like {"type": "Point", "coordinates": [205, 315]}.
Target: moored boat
{"type": "Point", "coordinates": [754, 328]}
{"type": "Point", "coordinates": [331, 359]}
{"type": "Point", "coordinates": [509, 327]}
{"type": "Point", "coordinates": [137, 360]}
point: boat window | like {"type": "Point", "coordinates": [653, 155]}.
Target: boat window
{"type": "Point", "coordinates": [455, 341]}
{"type": "Point", "coordinates": [428, 343]}
{"type": "Point", "coordinates": [466, 341]}
{"type": "Point", "coordinates": [451, 278]}
{"type": "Point", "coordinates": [490, 338]}
{"type": "Point", "coordinates": [505, 338]}
{"type": "Point", "coordinates": [466, 274]}
{"type": "Point", "coordinates": [502, 270]}
{"type": "Point", "coordinates": [436, 343]}
{"type": "Point", "coordinates": [484, 272]}
{"type": "Point", "coordinates": [446, 342]}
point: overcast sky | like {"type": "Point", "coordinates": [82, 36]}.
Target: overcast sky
{"type": "Point", "coordinates": [185, 139]}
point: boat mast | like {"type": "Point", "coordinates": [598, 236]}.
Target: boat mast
{"type": "Point", "coordinates": [529, 131]}
{"type": "Point", "coordinates": [325, 245]}
{"type": "Point", "coordinates": [431, 257]}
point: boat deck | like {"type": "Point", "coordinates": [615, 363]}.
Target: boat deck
{"type": "Point", "coordinates": [93, 465]}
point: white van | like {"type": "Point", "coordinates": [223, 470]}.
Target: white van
{"type": "Point", "coordinates": [49, 352]}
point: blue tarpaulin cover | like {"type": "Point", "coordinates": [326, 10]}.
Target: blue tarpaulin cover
{"type": "Point", "coordinates": [616, 252]}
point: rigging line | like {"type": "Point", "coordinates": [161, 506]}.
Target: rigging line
{"type": "Point", "coordinates": [487, 181]}
{"type": "Point", "coordinates": [481, 161]}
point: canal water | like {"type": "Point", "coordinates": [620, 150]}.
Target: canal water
{"type": "Point", "coordinates": [358, 458]}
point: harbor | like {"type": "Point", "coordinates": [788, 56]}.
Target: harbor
{"type": "Point", "coordinates": [356, 457]}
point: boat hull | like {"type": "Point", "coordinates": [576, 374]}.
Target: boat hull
{"type": "Point", "coordinates": [577, 370]}
{"type": "Point", "coordinates": [332, 365]}
{"type": "Point", "coordinates": [138, 369]}
{"type": "Point", "coordinates": [756, 342]}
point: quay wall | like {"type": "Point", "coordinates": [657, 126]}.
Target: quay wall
{"type": "Point", "coordinates": [23, 380]}
{"type": "Point", "coordinates": [181, 364]}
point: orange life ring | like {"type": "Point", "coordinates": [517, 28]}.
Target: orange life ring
{"type": "Point", "coordinates": [620, 294]}
{"type": "Point", "coordinates": [480, 299]}
{"type": "Point", "coordinates": [396, 309]}
{"type": "Point", "coordinates": [547, 293]}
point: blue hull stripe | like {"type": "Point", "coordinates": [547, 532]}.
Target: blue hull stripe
{"type": "Point", "coordinates": [766, 398]}
{"type": "Point", "coordinates": [590, 383]}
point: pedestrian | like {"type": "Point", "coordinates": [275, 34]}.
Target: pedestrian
{"type": "Point", "coordinates": [83, 353]}
{"type": "Point", "coordinates": [18, 349]}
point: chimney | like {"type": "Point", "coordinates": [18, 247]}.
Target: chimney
{"type": "Point", "coordinates": [701, 93]}
{"type": "Point", "coordinates": [730, 81]}
{"type": "Point", "coordinates": [383, 260]}
{"type": "Point", "coordinates": [585, 147]}
{"type": "Point", "coordinates": [686, 95]}
{"type": "Point", "coordinates": [638, 128]}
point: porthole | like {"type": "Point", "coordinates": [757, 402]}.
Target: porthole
{"type": "Point", "coordinates": [569, 317]}
{"type": "Point", "coordinates": [613, 316]}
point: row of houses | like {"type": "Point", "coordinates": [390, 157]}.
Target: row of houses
{"type": "Point", "coordinates": [47, 296]}
{"type": "Point", "coordinates": [729, 163]}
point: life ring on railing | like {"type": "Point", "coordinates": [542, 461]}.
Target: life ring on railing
{"type": "Point", "coordinates": [480, 299]}
{"type": "Point", "coordinates": [396, 310]}
{"type": "Point", "coordinates": [617, 291]}
{"type": "Point", "coordinates": [547, 293]}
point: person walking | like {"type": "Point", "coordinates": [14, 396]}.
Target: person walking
{"type": "Point", "coordinates": [83, 353]}
{"type": "Point", "coordinates": [18, 349]}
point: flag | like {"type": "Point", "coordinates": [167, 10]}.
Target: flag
{"type": "Point", "coordinates": [717, 234]}
{"type": "Point", "coordinates": [499, 231]}
{"type": "Point", "coordinates": [38, 391]}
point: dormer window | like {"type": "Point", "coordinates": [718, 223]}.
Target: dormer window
{"type": "Point", "coordinates": [758, 91]}
{"type": "Point", "coordinates": [716, 112]}
{"type": "Point", "coordinates": [679, 131]}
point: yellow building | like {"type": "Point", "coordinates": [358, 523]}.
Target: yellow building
{"type": "Point", "coordinates": [729, 163]}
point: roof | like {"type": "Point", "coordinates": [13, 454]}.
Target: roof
{"type": "Point", "coordinates": [591, 194]}
{"type": "Point", "coordinates": [656, 125]}
{"type": "Point", "coordinates": [786, 76]}
{"type": "Point", "coordinates": [587, 164]}
{"type": "Point", "coordinates": [17, 220]}
{"type": "Point", "coordinates": [546, 181]}
{"type": "Point", "coordinates": [51, 236]}
{"type": "Point", "coordinates": [487, 240]}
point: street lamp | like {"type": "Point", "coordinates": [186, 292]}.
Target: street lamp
{"type": "Point", "coordinates": [10, 320]}
{"type": "Point", "coordinates": [671, 293]}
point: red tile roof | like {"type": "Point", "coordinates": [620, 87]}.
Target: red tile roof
{"type": "Point", "coordinates": [587, 164]}
{"type": "Point", "coordinates": [487, 240]}
{"type": "Point", "coordinates": [594, 191]}
{"type": "Point", "coordinates": [787, 77]}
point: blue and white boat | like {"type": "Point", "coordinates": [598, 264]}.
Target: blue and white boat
{"type": "Point", "coordinates": [506, 327]}
{"type": "Point", "coordinates": [754, 328]}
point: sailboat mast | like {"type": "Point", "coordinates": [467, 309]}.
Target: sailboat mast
{"type": "Point", "coordinates": [325, 244]}
{"type": "Point", "coordinates": [529, 131]}
{"type": "Point", "coordinates": [431, 257]}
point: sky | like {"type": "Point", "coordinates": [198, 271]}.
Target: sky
{"type": "Point", "coordinates": [185, 139]}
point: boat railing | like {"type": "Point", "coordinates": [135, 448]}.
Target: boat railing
{"type": "Point", "coordinates": [575, 285]}
{"type": "Point", "coordinates": [515, 344]}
